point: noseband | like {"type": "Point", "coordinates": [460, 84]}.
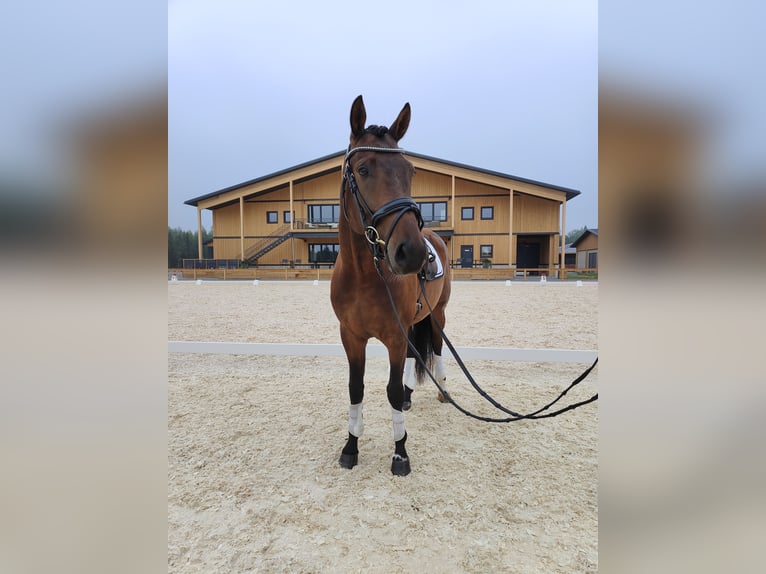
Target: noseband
{"type": "Point", "coordinates": [370, 218]}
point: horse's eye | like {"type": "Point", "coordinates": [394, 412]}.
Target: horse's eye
{"type": "Point", "coordinates": [363, 171]}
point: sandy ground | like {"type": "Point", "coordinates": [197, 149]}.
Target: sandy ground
{"type": "Point", "coordinates": [253, 479]}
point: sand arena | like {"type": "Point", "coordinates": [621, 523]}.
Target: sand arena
{"type": "Point", "coordinates": [253, 479]}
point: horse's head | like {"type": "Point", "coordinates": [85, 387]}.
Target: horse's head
{"type": "Point", "coordinates": [379, 179]}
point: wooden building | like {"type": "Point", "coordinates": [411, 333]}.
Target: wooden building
{"type": "Point", "coordinates": [587, 249]}
{"type": "Point", "coordinates": [486, 218]}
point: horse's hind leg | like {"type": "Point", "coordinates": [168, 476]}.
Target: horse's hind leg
{"type": "Point", "coordinates": [440, 372]}
{"type": "Point", "coordinates": [355, 353]}
{"type": "Point", "coordinates": [409, 377]}
{"type": "Point", "coordinates": [414, 373]}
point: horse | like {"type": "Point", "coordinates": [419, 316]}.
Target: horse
{"type": "Point", "coordinates": [386, 256]}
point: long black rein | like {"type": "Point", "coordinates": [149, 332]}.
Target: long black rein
{"type": "Point", "coordinates": [514, 415]}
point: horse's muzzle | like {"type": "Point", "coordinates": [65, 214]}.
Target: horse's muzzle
{"type": "Point", "coordinates": [407, 256]}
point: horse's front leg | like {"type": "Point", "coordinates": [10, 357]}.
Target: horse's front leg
{"type": "Point", "coordinates": [400, 464]}
{"type": "Point", "coordinates": [356, 355]}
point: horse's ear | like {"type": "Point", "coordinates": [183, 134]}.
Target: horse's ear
{"type": "Point", "coordinates": [402, 122]}
{"type": "Point", "coordinates": [358, 117]}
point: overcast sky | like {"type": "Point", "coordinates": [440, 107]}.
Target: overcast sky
{"type": "Point", "coordinates": [257, 87]}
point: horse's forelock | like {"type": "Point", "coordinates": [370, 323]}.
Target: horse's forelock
{"type": "Point", "coordinates": [378, 131]}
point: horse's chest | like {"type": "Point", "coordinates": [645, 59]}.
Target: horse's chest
{"type": "Point", "coordinates": [369, 313]}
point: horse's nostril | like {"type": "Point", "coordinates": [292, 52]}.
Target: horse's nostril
{"type": "Point", "coordinates": [401, 253]}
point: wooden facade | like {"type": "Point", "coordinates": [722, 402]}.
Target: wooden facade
{"type": "Point", "coordinates": [486, 218]}
{"type": "Point", "coordinates": [587, 249]}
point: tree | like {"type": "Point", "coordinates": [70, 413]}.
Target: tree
{"type": "Point", "coordinates": [183, 245]}
{"type": "Point", "coordinates": [574, 234]}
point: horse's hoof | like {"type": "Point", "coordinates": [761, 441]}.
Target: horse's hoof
{"type": "Point", "coordinates": [407, 401]}
{"type": "Point", "coordinates": [400, 466]}
{"type": "Point", "coordinates": [441, 398]}
{"type": "Point", "coordinates": [348, 460]}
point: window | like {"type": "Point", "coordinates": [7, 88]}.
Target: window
{"type": "Point", "coordinates": [488, 212]}
{"type": "Point", "coordinates": [324, 213]}
{"type": "Point", "coordinates": [436, 211]}
{"type": "Point", "coordinates": [286, 216]}
{"type": "Point", "coordinates": [272, 217]}
{"type": "Point", "coordinates": [486, 251]}
{"type": "Point", "coordinates": [466, 213]}
{"type": "Point", "coordinates": [323, 252]}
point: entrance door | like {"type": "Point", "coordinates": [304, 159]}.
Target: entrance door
{"type": "Point", "coordinates": [466, 256]}
{"type": "Point", "coordinates": [528, 256]}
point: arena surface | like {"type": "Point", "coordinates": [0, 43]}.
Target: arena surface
{"type": "Point", "coordinates": [253, 479]}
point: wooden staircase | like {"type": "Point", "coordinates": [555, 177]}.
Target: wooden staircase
{"type": "Point", "coordinates": [262, 247]}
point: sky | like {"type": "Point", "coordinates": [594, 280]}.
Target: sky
{"type": "Point", "coordinates": [257, 87]}
{"type": "Point", "coordinates": [704, 57]}
{"type": "Point", "coordinates": [64, 64]}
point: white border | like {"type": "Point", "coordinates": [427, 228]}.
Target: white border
{"type": "Point", "coordinates": [378, 350]}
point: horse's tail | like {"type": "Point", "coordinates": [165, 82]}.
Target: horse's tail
{"type": "Point", "coordinates": [422, 338]}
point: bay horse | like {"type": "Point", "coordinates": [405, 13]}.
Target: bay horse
{"type": "Point", "coordinates": [385, 252]}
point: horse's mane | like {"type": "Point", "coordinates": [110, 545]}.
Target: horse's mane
{"type": "Point", "coordinates": [378, 131]}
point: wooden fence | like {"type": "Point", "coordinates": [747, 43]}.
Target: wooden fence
{"type": "Point", "coordinates": [325, 273]}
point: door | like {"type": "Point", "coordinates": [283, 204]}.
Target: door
{"type": "Point", "coordinates": [593, 259]}
{"type": "Point", "coordinates": [528, 256]}
{"type": "Point", "coordinates": [466, 256]}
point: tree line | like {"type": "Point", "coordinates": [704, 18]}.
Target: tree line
{"type": "Point", "coordinates": [574, 234]}
{"type": "Point", "coordinates": [182, 244]}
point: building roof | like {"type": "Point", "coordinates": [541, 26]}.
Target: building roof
{"type": "Point", "coordinates": [583, 235]}
{"type": "Point", "coordinates": [570, 193]}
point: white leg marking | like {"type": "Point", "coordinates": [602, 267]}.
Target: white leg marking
{"type": "Point", "coordinates": [441, 373]}
{"type": "Point", "coordinates": [409, 373]}
{"type": "Point", "coordinates": [355, 422]}
{"type": "Point", "coordinates": [398, 418]}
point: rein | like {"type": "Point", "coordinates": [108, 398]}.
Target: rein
{"type": "Point", "coordinates": [538, 414]}
{"type": "Point", "coordinates": [514, 416]}
{"type": "Point", "coordinates": [370, 218]}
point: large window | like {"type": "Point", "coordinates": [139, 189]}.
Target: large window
{"type": "Point", "coordinates": [433, 211]}
{"type": "Point", "coordinates": [324, 213]}
{"type": "Point", "coordinates": [488, 212]}
{"type": "Point", "coordinates": [323, 252]}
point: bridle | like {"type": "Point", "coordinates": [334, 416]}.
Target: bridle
{"type": "Point", "coordinates": [367, 216]}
